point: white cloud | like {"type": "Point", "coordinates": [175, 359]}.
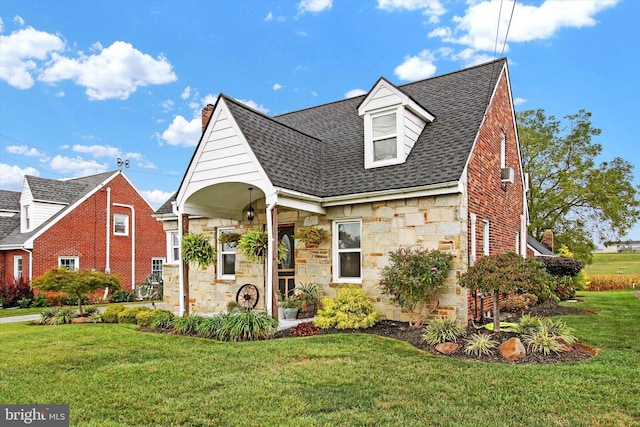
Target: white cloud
{"type": "Point", "coordinates": [186, 93]}
{"type": "Point", "coordinates": [314, 6]}
{"type": "Point", "coordinates": [115, 73]}
{"type": "Point", "coordinates": [76, 166]}
{"type": "Point", "coordinates": [24, 151]}
{"type": "Point", "coordinates": [168, 105]}
{"type": "Point", "coordinates": [147, 164]}
{"type": "Point", "coordinates": [277, 86]}
{"type": "Point", "coordinates": [470, 57]}
{"type": "Point", "coordinates": [59, 94]}
{"type": "Point", "coordinates": [98, 150]}
{"type": "Point", "coordinates": [156, 198]}
{"type": "Point", "coordinates": [477, 28]}
{"type": "Point", "coordinates": [18, 20]}
{"type": "Point", "coordinates": [252, 104]}
{"type": "Point", "coordinates": [416, 67]}
{"type": "Point", "coordinates": [271, 17]}
{"type": "Point", "coordinates": [432, 8]}
{"type": "Point", "coordinates": [20, 49]}
{"type": "Point", "coordinates": [183, 132]}
{"type": "Point", "coordinates": [12, 176]}
{"type": "Point", "coordinates": [519, 101]}
{"type": "Point", "coordinates": [354, 92]}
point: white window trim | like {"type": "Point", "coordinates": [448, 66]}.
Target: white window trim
{"type": "Point", "coordinates": [517, 245]}
{"type": "Point", "coordinates": [163, 260]}
{"type": "Point", "coordinates": [503, 151]}
{"type": "Point", "coordinates": [27, 217]}
{"type": "Point", "coordinates": [485, 237]}
{"type": "Point", "coordinates": [76, 261]}
{"type": "Point", "coordinates": [18, 267]}
{"type": "Point", "coordinates": [220, 254]}
{"type": "Point", "coordinates": [369, 161]}
{"type": "Point", "coordinates": [336, 252]}
{"type": "Point", "coordinates": [126, 225]}
{"type": "Point", "coordinates": [170, 258]}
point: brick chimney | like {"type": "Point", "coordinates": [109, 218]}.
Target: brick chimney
{"type": "Point", "coordinates": [547, 239]}
{"type": "Point", "coordinates": [206, 115]}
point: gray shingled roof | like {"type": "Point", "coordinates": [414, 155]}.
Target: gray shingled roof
{"type": "Point", "coordinates": [60, 191]}
{"type": "Point", "coordinates": [166, 207]}
{"type": "Point", "coordinates": [320, 150]}
{"type": "Point", "coordinates": [9, 200]}
{"type": "Point", "coordinates": [542, 249]}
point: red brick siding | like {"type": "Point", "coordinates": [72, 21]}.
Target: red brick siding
{"type": "Point", "coordinates": [6, 264]}
{"type": "Point", "coordinates": [82, 233]}
{"type": "Point", "coordinates": [501, 205]}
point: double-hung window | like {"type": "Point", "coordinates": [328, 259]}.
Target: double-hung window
{"type": "Point", "coordinates": [17, 267]}
{"type": "Point", "coordinates": [121, 225]}
{"type": "Point", "coordinates": [384, 136]}
{"type": "Point", "coordinates": [173, 247]}
{"type": "Point", "coordinates": [347, 251]}
{"type": "Point", "coordinates": [226, 257]}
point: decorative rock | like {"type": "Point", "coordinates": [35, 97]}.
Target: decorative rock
{"type": "Point", "coordinates": [447, 348]}
{"type": "Point", "coordinates": [512, 349]}
{"type": "Point", "coordinates": [81, 320]}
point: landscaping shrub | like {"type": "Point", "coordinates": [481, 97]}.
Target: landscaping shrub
{"type": "Point", "coordinates": [543, 341]}
{"type": "Point", "coordinates": [147, 317]}
{"type": "Point", "coordinates": [73, 300]}
{"type": "Point", "coordinates": [121, 295]}
{"type": "Point", "coordinates": [188, 325]}
{"type": "Point", "coordinates": [12, 291]}
{"type": "Point", "coordinates": [46, 316]}
{"type": "Point", "coordinates": [163, 321]}
{"type": "Point", "coordinates": [442, 330]}
{"type": "Point", "coordinates": [561, 266]}
{"type": "Point", "coordinates": [110, 314]}
{"type": "Point", "coordinates": [609, 282]}
{"type": "Point", "coordinates": [63, 316]}
{"type": "Point", "coordinates": [564, 288]}
{"type": "Point", "coordinates": [413, 278]}
{"type": "Point", "coordinates": [24, 303]}
{"type": "Point", "coordinates": [40, 301]}
{"type": "Point", "coordinates": [305, 329]}
{"type": "Point", "coordinates": [351, 308]}
{"type": "Point", "coordinates": [128, 315]}
{"type": "Point", "coordinates": [210, 327]}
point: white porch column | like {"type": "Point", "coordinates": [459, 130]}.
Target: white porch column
{"type": "Point", "coordinates": [272, 239]}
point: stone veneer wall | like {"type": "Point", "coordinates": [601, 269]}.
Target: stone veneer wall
{"type": "Point", "coordinates": [436, 222]}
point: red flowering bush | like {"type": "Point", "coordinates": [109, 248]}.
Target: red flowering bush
{"type": "Point", "coordinates": [305, 329]}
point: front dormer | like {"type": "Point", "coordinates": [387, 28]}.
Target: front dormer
{"type": "Point", "coordinates": [392, 124]}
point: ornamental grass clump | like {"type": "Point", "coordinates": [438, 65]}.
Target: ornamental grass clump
{"type": "Point", "coordinates": [543, 341]}
{"type": "Point", "coordinates": [442, 330]}
{"type": "Point", "coordinates": [480, 344]}
{"type": "Point", "coordinates": [247, 325]}
{"type": "Point", "coordinates": [413, 278]}
{"type": "Point", "coordinates": [350, 309]}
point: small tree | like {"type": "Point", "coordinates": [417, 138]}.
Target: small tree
{"type": "Point", "coordinates": [504, 273]}
{"type": "Point", "coordinates": [75, 283]}
{"type": "Point", "coordinates": [413, 278]}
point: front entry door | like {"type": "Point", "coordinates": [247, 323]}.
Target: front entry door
{"type": "Point", "coordinates": [287, 268]}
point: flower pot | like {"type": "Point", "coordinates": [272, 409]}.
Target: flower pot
{"type": "Point", "coordinates": [290, 313]}
{"type": "Point", "coordinates": [280, 313]}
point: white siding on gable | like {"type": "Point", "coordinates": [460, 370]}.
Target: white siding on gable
{"type": "Point", "coordinates": [383, 98]}
{"type": "Point", "coordinates": [224, 156]}
{"type": "Point", "coordinates": [42, 212]}
{"type": "Point", "coordinates": [413, 126]}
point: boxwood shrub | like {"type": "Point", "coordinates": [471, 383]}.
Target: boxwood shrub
{"type": "Point", "coordinates": [146, 318]}
{"type": "Point", "coordinates": [128, 315]}
{"type": "Point", "coordinates": [110, 314]}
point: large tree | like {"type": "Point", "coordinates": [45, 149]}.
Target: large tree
{"type": "Point", "coordinates": [570, 193]}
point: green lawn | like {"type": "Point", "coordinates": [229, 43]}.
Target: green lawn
{"type": "Point", "coordinates": [628, 263]}
{"type": "Point", "coordinates": [112, 375]}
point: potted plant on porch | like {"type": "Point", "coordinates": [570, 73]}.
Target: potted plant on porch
{"type": "Point", "coordinates": [254, 243]}
{"type": "Point", "coordinates": [290, 309]}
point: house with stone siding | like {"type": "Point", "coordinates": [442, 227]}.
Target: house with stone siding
{"type": "Point", "coordinates": [99, 222]}
{"type": "Point", "coordinates": [433, 164]}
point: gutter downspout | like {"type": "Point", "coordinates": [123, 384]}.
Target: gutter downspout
{"type": "Point", "coordinates": [30, 263]}
{"type": "Point", "coordinates": [270, 248]}
{"type": "Point", "coordinates": [133, 243]}
{"type": "Point", "coordinates": [107, 264]}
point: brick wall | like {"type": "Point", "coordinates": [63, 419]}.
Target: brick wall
{"type": "Point", "coordinates": [82, 233]}
{"type": "Point", "coordinates": [500, 204]}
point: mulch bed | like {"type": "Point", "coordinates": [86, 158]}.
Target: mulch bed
{"type": "Point", "coordinates": [402, 331]}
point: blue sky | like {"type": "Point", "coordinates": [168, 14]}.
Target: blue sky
{"type": "Point", "coordinates": [83, 83]}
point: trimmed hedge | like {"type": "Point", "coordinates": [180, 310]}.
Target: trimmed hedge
{"type": "Point", "coordinates": [128, 315]}
{"type": "Point", "coordinates": [110, 314]}
{"type": "Point", "coordinates": [561, 266]}
{"type": "Point", "coordinates": [146, 318]}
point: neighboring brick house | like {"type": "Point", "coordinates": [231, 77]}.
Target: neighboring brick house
{"type": "Point", "coordinates": [91, 223]}
{"type": "Point", "coordinates": [433, 164]}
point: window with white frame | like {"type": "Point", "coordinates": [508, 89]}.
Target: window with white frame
{"type": "Point", "coordinates": [226, 256]}
{"type": "Point", "coordinates": [503, 151]}
{"type": "Point", "coordinates": [518, 243]}
{"type": "Point", "coordinates": [27, 217]}
{"type": "Point", "coordinates": [17, 267]}
{"type": "Point", "coordinates": [472, 252]}
{"type": "Point", "coordinates": [485, 237]}
{"type": "Point", "coordinates": [173, 247]}
{"type": "Point", "coordinates": [156, 266]}
{"type": "Point", "coordinates": [70, 262]}
{"type": "Point", "coordinates": [384, 131]}
{"type": "Point", "coordinates": [347, 251]}
{"type": "Point", "coordinates": [121, 225]}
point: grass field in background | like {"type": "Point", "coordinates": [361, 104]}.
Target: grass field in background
{"type": "Point", "coordinates": [112, 375]}
{"type": "Point", "coordinates": [627, 263]}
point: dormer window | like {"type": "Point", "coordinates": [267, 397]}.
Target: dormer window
{"type": "Point", "coordinates": [392, 124]}
{"type": "Point", "coordinates": [385, 140]}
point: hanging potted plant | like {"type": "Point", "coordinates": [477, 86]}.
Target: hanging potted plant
{"type": "Point", "coordinates": [311, 234]}
{"type": "Point", "coordinates": [229, 238]}
{"type": "Point", "coordinates": [254, 244]}
{"type": "Point", "coordinates": [197, 250]}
